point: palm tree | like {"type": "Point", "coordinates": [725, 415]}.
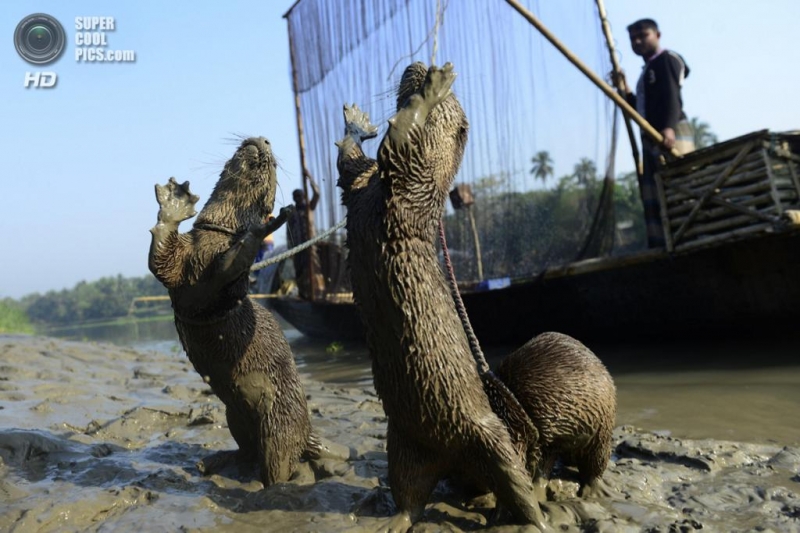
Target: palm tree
{"type": "Point", "coordinates": [542, 165]}
{"type": "Point", "coordinates": [703, 136]}
{"type": "Point", "coordinates": [585, 171]}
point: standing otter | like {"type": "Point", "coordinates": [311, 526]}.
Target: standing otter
{"type": "Point", "coordinates": [236, 345]}
{"type": "Point", "coordinates": [439, 417]}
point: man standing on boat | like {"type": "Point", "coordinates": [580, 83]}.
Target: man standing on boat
{"type": "Point", "coordinates": [299, 229]}
{"type": "Point", "coordinates": [658, 100]}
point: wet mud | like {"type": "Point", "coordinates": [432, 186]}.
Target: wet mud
{"type": "Point", "coordinates": [100, 437]}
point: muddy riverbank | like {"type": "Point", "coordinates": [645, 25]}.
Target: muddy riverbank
{"type": "Point", "coordinates": [102, 437]}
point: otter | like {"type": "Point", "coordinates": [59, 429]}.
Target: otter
{"type": "Point", "coordinates": [236, 345]}
{"type": "Point", "coordinates": [440, 419]}
{"type": "Point", "coordinates": [571, 399]}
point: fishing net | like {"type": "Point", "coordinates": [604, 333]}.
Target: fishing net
{"type": "Point", "coordinates": [539, 130]}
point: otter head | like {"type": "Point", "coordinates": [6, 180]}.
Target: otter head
{"type": "Point", "coordinates": [445, 135]}
{"type": "Point", "coordinates": [245, 191]}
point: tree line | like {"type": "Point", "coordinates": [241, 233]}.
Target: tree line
{"type": "Point", "coordinates": [105, 298]}
{"type": "Point", "coordinates": [523, 232]}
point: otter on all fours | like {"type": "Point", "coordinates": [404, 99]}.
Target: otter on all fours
{"type": "Point", "coordinates": [234, 344]}
{"type": "Point", "coordinates": [440, 420]}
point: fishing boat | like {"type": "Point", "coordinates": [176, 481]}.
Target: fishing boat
{"type": "Point", "coordinates": [729, 211]}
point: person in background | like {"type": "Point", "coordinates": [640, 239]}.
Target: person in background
{"type": "Point", "coordinates": [299, 229]}
{"type": "Point", "coordinates": [658, 99]}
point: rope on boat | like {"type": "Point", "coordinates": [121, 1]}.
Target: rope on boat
{"type": "Point", "coordinates": [474, 345]}
{"type": "Point", "coordinates": [299, 248]}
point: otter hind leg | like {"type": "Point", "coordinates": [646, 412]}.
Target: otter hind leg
{"type": "Point", "coordinates": [514, 489]}
{"type": "Point", "coordinates": [512, 482]}
{"type": "Point", "coordinates": [258, 394]}
{"type": "Point", "coordinates": [243, 432]}
{"type": "Point", "coordinates": [591, 463]}
{"type": "Point", "coordinates": [413, 474]}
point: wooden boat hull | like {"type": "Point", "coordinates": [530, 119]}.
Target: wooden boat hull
{"type": "Point", "coordinates": [746, 288]}
{"type": "Point", "coordinates": [322, 320]}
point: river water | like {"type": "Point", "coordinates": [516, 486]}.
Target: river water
{"type": "Point", "coordinates": [744, 391]}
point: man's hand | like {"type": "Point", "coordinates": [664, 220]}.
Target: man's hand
{"type": "Point", "coordinates": [669, 138]}
{"type": "Point", "coordinates": [311, 181]}
{"type": "Point", "coordinates": [618, 81]}
{"type": "Point", "coordinates": [314, 188]}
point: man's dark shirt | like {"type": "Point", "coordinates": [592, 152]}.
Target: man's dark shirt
{"type": "Point", "coordinates": [297, 226]}
{"type": "Point", "coordinates": [661, 82]}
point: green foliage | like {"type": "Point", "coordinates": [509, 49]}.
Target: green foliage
{"type": "Point", "coordinates": [631, 231]}
{"type": "Point", "coordinates": [522, 233]}
{"type": "Point", "coordinates": [13, 318]}
{"type": "Point", "coordinates": [105, 298]}
{"type": "Point", "coordinates": [334, 347]}
{"type": "Point", "coordinates": [542, 165]}
{"type": "Point", "coordinates": [703, 136]}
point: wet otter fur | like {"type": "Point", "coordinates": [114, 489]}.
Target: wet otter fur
{"type": "Point", "coordinates": [439, 417]}
{"type": "Point", "coordinates": [233, 343]}
{"type": "Point", "coordinates": [571, 400]}
{"type": "Point", "coordinates": [565, 390]}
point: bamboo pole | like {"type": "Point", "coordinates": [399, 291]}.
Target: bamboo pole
{"type": "Point", "coordinates": [609, 91]}
{"type": "Point", "coordinates": [303, 167]}
{"type": "Point", "coordinates": [620, 88]}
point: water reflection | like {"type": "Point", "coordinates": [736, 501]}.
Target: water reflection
{"type": "Point", "coordinates": [744, 391]}
{"type": "Point", "coordinates": [128, 333]}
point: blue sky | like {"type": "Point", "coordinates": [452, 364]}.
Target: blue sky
{"type": "Point", "coordinates": [79, 161]}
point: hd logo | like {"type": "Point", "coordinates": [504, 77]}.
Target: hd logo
{"type": "Point", "coordinates": [40, 40]}
{"type": "Point", "coordinates": [40, 80]}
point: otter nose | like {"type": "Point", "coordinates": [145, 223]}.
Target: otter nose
{"type": "Point", "coordinates": [260, 143]}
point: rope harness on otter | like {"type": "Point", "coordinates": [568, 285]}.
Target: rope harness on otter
{"type": "Point", "coordinates": [207, 321]}
{"type": "Point", "coordinates": [517, 420]}
{"type": "Point", "coordinates": [215, 227]}
{"type": "Point", "coordinates": [299, 248]}
{"type": "Point", "coordinates": [474, 345]}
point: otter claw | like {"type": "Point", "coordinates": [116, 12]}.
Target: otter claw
{"type": "Point", "coordinates": [176, 200]}
{"type": "Point", "coordinates": [286, 211]}
{"type": "Point", "coordinates": [357, 123]}
{"type": "Point", "coordinates": [438, 83]}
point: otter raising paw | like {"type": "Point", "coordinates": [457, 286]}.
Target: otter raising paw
{"type": "Point", "coordinates": [176, 201]}
{"type": "Point", "coordinates": [357, 124]}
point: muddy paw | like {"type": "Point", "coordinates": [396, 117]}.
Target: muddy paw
{"type": "Point", "coordinates": [357, 124]}
{"type": "Point", "coordinates": [438, 83]}
{"type": "Point", "coordinates": [176, 200]}
{"type": "Point", "coordinates": [218, 461]}
{"type": "Point", "coordinates": [285, 212]}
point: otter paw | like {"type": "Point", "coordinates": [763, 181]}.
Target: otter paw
{"type": "Point", "coordinates": [176, 200]}
{"type": "Point", "coordinates": [438, 83]}
{"type": "Point", "coordinates": [285, 212]}
{"type": "Point", "coordinates": [357, 124]}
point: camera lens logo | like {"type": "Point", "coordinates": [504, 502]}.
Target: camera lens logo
{"type": "Point", "coordinates": [39, 39]}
